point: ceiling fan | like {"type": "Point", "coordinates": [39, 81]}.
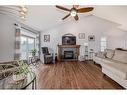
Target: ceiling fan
{"type": "Point", "coordinates": [74, 11]}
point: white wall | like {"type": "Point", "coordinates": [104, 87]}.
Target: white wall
{"type": "Point", "coordinates": [116, 38]}
{"type": "Point", "coordinates": [7, 37]}
{"type": "Point", "coordinates": [90, 25]}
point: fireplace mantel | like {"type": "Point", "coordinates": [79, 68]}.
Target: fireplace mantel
{"type": "Point", "coordinates": [60, 47]}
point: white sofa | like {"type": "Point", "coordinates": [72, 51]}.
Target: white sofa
{"type": "Point", "coordinates": [114, 65]}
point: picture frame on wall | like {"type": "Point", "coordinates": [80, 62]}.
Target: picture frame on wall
{"type": "Point", "coordinates": [81, 35]}
{"type": "Point", "coordinates": [46, 38]}
{"type": "Point", "coordinates": [91, 38]}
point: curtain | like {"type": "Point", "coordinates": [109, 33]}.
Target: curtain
{"type": "Point", "coordinates": [19, 30]}
{"type": "Point", "coordinates": [17, 43]}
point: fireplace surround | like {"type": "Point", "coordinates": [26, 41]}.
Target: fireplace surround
{"type": "Point", "coordinates": [68, 52]}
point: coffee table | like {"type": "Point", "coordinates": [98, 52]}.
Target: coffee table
{"type": "Point", "coordinates": [9, 83]}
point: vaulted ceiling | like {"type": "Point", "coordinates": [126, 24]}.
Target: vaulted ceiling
{"type": "Point", "coordinates": [45, 17]}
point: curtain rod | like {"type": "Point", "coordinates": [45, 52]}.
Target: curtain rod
{"type": "Point", "coordinates": [27, 28]}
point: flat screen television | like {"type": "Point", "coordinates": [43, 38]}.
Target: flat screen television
{"type": "Point", "coordinates": [68, 40]}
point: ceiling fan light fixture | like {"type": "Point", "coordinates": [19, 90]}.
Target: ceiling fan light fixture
{"type": "Point", "coordinates": [23, 18]}
{"type": "Point", "coordinates": [22, 13]}
{"type": "Point", "coordinates": [24, 9]}
{"type": "Point", "coordinates": [73, 13]}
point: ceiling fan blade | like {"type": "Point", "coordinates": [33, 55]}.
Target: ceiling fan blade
{"type": "Point", "coordinates": [66, 16]}
{"type": "Point", "coordinates": [63, 8]}
{"type": "Point", "coordinates": [76, 17]}
{"type": "Point", "coordinates": [82, 10]}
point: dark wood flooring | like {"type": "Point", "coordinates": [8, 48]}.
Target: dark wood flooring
{"type": "Point", "coordinates": [73, 75]}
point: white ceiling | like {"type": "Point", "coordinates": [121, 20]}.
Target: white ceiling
{"type": "Point", "coordinates": [46, 17]}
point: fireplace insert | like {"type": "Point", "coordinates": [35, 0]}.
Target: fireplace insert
{"type": "Point", "coordinates": [68, 54]}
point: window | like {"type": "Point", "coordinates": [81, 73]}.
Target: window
{"type": "Point", "coordinates": [23, 47]}
{"type": "Point", "coordinates": [27, 44]}
{"type": "Point", "coordinates": [29, 41]}
{"type": "Point", "coordinates": [31, 45]}
{"type": "Point", "coordinates": [103, 43]}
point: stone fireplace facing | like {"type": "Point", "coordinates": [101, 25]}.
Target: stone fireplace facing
{"type": "Point", "coordinates": [68, 51]}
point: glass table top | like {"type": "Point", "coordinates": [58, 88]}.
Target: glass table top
{"type": "Point", "coordinates": [9, 83]}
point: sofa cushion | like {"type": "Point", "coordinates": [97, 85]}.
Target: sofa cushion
{"type": "Point", "coordinates": [109, 53]}
{"type": "Point", "coordinates": [97, 59]}
{"type": "Point", "coordinates": [120, 56]}
{"type": "Point", "coordinates": [109, 60]}
{"type": "Point", "coordinates": [117, 68]}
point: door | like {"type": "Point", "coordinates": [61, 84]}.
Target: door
{"type": "Point", "coordinates": [27, 44]}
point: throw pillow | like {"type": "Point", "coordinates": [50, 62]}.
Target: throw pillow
{"type": "Point", "coordinates": [120, 56]}
{"type": "Point", "coordinates": [109, 53]}
{"type": "Point", "coordinates": [101, 54]}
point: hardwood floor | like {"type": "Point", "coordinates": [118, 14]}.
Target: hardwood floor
{"type": "Point", "coordinates": [73, 75]}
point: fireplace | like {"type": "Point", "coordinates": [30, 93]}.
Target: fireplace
{"type": "Point", "coordinates": [68, 55]}
{"type": "Point", "coordinates": [68, 51]}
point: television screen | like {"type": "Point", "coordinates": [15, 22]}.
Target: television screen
{"type": "Point", "coordinates": [69, 40]}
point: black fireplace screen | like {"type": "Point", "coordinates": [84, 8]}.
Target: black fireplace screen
{"type": "Point", "coordinates": [68, 54]}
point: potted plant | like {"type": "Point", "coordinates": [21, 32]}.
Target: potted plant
{"type": "Point", "coordinates": [21, 72]}
{"type": "Point", "coordinates": [33, 51]}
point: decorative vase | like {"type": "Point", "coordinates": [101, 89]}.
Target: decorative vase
{"type": "Point", "coordinates": [33, 54]}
